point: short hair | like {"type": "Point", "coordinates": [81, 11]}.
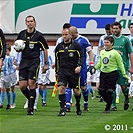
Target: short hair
{"type": "Point", "coordinates": [130, 24]}
{"type": "Point", "coordinates": [66, 25]}
{"type": "Point", "coordinates": [109, 38]}
{"type": "Point", "coordinates": [107, 27]}
{"type": "Point", "coordinates": [8, 46]}
{"type": "Point", "coordinates": [29, 17]}
{"type": "Point", "coordinates": [117, 24]}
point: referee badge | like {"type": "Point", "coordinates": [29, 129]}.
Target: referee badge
{"type": "Point", "coordinates": [31, 46]}
{"type": "Point", "coordinates": [70, 54]}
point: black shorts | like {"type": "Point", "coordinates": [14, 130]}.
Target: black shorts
{"type": "Point", "coordinates": [72, 80]}
{"type": "Point", "coordinates": [28, 69]}
{"type": "Point", "coordinates": [108, 80]}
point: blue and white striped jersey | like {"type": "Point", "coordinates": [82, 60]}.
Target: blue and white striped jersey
{"type": "Point", "coordinates": [101, 40]}
{"type": "Point", "coordinates": [42, 59]}
{"type": "Point", "coordinates": [96, 59]}
{"type": "Point", "coordinates": [9, 67]}
{"type": "Point", "coordinates": [18, 57]}
{"type": "Point", "coordinates": [130, 37]}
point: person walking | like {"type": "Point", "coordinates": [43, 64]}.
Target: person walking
{"type": "Point", "coordinates": [68, 63]}
{"type": "Point", "coordinates": [30, 62]}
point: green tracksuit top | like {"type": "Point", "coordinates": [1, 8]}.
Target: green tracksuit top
{"type": "Point", "coordinates": [109, 61]}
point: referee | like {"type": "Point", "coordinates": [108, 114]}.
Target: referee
{"type": "Point", "coordinates": [29, 64]}
{"type": "Point", "coordinates": [68, 62]}
{"type": "Point", "coordinates": [2, 48]}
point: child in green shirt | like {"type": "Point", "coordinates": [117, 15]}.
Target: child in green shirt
{"type": "Point", "coordinates": [110, 61]}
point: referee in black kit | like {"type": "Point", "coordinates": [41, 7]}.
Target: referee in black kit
{"type": "Point", "coordinates": [2, 48]}
{"type": "Point", "coordinates": [29, 65]}
{"type": "Point", "coordinates": [68, 62]}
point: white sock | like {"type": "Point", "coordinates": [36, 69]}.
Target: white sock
{"type": "Point", "coordinates": [36, 100]}
{"type": "Point", "coordinates": [118, 89]}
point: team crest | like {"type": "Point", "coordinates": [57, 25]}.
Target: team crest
{"type": "Point", "coordinates": [70, 54]}
{"type": "Point", "coordinates": [31, 46]}
{"type": "Point", "coordinates": [105, 60]}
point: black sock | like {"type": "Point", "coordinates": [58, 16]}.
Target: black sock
{"type": "Point", "coordinates": [78, 101]}
{"type": "Point", "coordinates": [109, 99]}
{"type": "Point", "coordinates": [26, 93]}
{"type": "Point", "coordinates": [32, 97]}
{"type": "Point", "coordinates": [62, 100]}
{"type": "Point", "coordinates": [103, 94]}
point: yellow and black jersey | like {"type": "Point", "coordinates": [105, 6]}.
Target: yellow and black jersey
{"type": "Point", "coordinates": [2, 45]}
{"type": "Point", "coordinates": [68, 56]}
{"type": "Point", "coordinates": [34, 42]}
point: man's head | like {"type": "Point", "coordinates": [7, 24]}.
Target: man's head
{"type": "Point", "coordinates": [66, 25]}
{"type": "Point", "coordinates": [131, 28]}
{"type": "Point", "coordinates": [107, 29]}
{"type": "Point", "coordinates": [66, 35]}
{"type": "Point", "coordinates": [74, 32]}
{"type": "Point", "coordinates": [30, 22]}
{"type": "Point", "coordinates": [8, 49]}
{"type": "Point", "coordinates": [116, 29]}
{"type": "Point", "coordinates": [108, 42]}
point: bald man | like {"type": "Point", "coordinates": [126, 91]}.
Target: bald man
{"type": "Point", "coordinates": [86, 48]}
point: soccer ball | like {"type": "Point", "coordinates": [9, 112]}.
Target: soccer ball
{"type": "Point", "coordinates": [19, 45]}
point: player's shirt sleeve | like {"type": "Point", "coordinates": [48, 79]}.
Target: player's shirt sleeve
{"type": "Point", "coordinates": [81, 56]}
{"type": "Point", "coordinates": [57, 58]}
{"type": "Point", "coordinates": [98, 65]}
{"type": "Point", "coordinates": [120, 63]}
{"type": "Point", "coordinates": [129, 46]}
{"type": "Point", "coordinates": [87, 45]}
{"type": "Point", "coordinates": [43, 42]}
{"type": "Point", "coordinates": [132, 43]}
{"type": "Point", "coordinates": [2, 45]}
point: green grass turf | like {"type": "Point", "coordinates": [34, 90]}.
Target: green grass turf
{"type": "Point", "coordinates": [45, 120]}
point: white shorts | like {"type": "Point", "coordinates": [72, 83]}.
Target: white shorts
{"type": "Point", "coordinates": [1, 83]}
{"type": "Point", "coordinates": [94, 77]}
{"type": "Point", "coordinates": [1, 79]}
{"type": "Point", "coordinates": [43, 78]}
{"type": "Point", "coordinates": [10, 80]}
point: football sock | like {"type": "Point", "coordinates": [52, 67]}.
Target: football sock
{"type": "Point", "coordinates": [44, 95]}
{"type": "Point", "coordinates": [68, 97]}
{"type": "Point", "coordinates": [2, 97]}
{"type": "Point", "coordinates": [85, 96]}
{"type": "Point", "coordinates": [41, 92]}
{"type": "Point", "coordinates": [125, 92]}
{"type": "Point", "coordinates": [32, 97]}
{"type": "Point", "coordinates": [26, 93]}
{"type": "Point", "coordinates": [92, 91]}
{"type": "Point", "coordinates": [77, 101]}
{"type": "Point", "coordinates": [103, 94]}
{"type": "Point", "coordinates": [118, 89]}
{"type": "Point", "coordinates": [109, 99]}
{"type": "Point", "coordinates": [37, 96]}
{"type": "Point", "coordinates": [89, 88]}
{"type": "Point", "coordinates": [114, 99]}
{"type": "Point", "coordinates": [13, 97]}
{"type": "Point", "coordinates": [8, 98]}
{"type": "Point", "coordinates": [62, 100]}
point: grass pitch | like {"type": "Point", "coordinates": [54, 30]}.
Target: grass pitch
{"type": "Point", "coordinates": [45, 120]}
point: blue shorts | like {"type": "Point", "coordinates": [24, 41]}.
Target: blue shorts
{"type": "Point", "coordinates": [83, 77]}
